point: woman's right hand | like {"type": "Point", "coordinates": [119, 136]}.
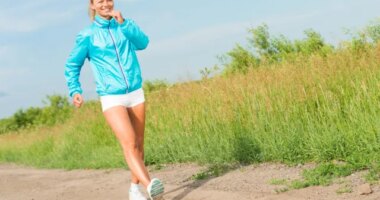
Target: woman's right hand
{"type": "Point", "coordinates": [117, 15]}
{"type": "Point", "coordinates": [77, 100]}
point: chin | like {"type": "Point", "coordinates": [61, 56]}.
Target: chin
{"type": "Point", "coordinates": [105, 16]}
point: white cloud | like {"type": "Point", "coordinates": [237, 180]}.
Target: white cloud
{"type": "Point", "coordinates": [199, 39]}
{"type": "Point", "coordinates": [34, 15]}
{"type": "Point", "coordinates": [34, 22]}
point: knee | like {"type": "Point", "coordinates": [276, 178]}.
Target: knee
{"type": "Point", "coordinates": [131, 147]}
{"type": "Point", "coordinates": [140, 144]}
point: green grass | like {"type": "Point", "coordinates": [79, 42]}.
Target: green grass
{"type": "Point", "coordinates": [214, 170]}
{"type": "Point", "coordinates": [281, 190]}
{"type": "Point", "coordinates": [345, 188]}
{"type": "Point", "coordinates": [278, 182]}
{"type": "Point", "coordinates": [373, 175]}
{"type": "Point", "coordinates": [323, 174]}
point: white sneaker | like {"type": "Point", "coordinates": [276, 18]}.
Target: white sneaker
{"type": "Point", "coordinates": [136, 194]}
{"type": "Point", "coordinates": [155, 189]}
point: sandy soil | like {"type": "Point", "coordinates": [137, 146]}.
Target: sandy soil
{"type": "Point", "coordinates": [249, 182]}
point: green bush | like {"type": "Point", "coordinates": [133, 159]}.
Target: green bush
{"type": "Point", "coordinates": [313, 43]}
{"type": "Point", "coordinates": [241, 61]}
{"type": "Point", "coordinates": [57, 109]}
{"type": "Point", "coordinates": [150, 86]}
{"type": "Point", "coordinates": [373, 31]}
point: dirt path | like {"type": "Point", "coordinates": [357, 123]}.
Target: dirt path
{"type": "Point", "coordinates": [251, 182]}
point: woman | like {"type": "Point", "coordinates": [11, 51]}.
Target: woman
{"type": "Point", "coordinates": [109, 43]}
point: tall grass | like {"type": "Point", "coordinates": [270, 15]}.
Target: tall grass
{"type": "Point", "coordinates": [315, 109]}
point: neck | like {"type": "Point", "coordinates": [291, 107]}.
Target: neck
{"type": "Point", "coordinates": [105, 17]}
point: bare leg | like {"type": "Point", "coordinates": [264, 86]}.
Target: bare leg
{"type": "Point", "coordinates": [118, 119]}
{"type": "Point", "coordinates": [137, 116]}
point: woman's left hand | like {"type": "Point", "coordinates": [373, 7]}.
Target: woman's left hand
{"type": "Point", "coordinates": [117, 15]}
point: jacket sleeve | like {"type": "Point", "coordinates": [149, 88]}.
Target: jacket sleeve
{"type": "Point", "coordinates": [75, 62]}
{"type": "Point", "coordinates": [134, 34]}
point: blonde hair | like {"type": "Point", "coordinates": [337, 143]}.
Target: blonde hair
{"type": "Point", "coordinates": [91, 12]}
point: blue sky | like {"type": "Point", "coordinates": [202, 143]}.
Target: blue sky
{"type": "Point", "coordinates": [185, 36]}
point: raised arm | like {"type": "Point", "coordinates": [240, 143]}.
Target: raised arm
{"type": "Point", "coordinates": [131, 31]}
{"type": "Point", "coordinates": [134, 34]}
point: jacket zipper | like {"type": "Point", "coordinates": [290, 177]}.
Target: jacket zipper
{"type": "Point", "coordinates": [118, 57]}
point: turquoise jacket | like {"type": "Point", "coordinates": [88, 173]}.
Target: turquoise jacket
{"type": "Point", "coordinates": [110, 47]}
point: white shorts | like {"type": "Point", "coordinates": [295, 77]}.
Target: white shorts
{"type": "Point", "coordinates": [127, 100]}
